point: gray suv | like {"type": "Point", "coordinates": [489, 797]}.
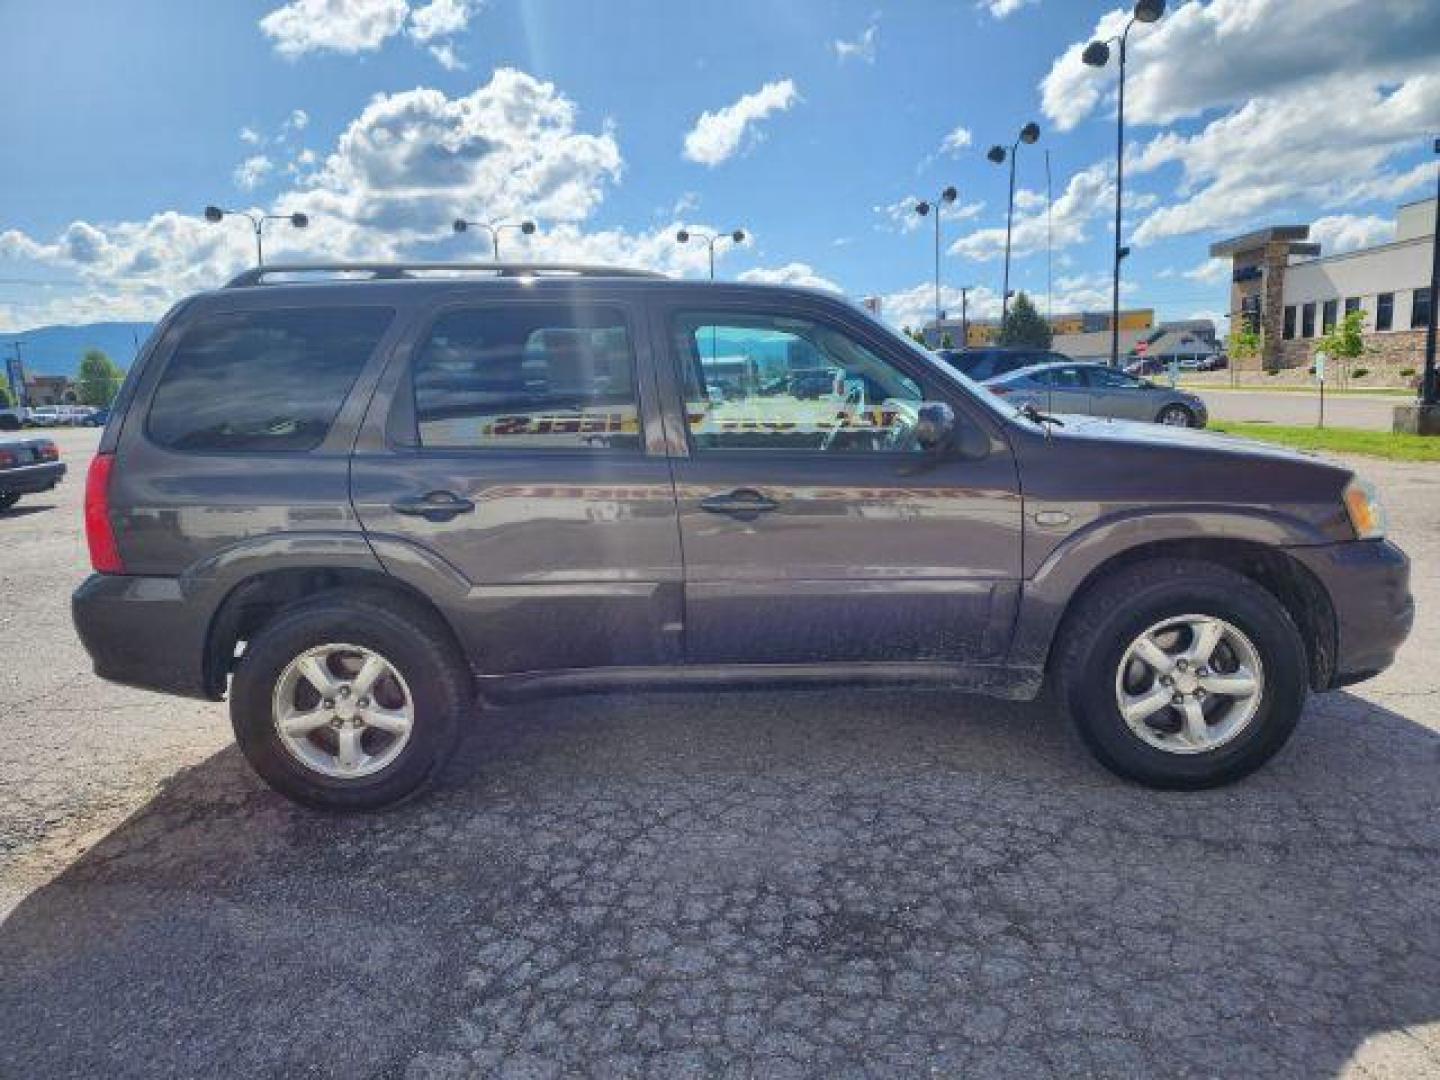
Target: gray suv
{"type": "Point", "coordinates": [359, 500]}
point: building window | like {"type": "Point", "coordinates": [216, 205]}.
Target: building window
{"type": "Point", "coordinates": [1328, 312]}
{"type": "Point", "coordinates": [1352, 303]}
{"type": "Point", "coordinates": [1289, 322]}
{"type": "Point", "coordinates": [1307, 320]}
{"type": "Point", "coordinates": [1420, 309]}
{"type": "Point", "coordinates": [1384, 310]}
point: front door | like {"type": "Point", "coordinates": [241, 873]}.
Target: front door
{"type": "Point", "coordinates": [1118, 395]}
{"type": "Point", "coordinates": [813, 526]}
{"type": "Point", "coordinates": [516, 469]}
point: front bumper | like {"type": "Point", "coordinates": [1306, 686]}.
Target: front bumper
{"type": "Point", "coordinates": [143, 631]}
{"type": "Point", "coordinates": [1369, 586]}
{"type": "Point", "coordinates": [29, 479]}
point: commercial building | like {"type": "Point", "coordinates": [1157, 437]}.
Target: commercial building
{"type": "Point", "coordinates": [1283, 286]}
{"type": "Point", "coordinates": [1135, 324]}
{"type": "Point", "coordinates": [1086, 336]}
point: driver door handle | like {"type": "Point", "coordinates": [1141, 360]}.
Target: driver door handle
{"type": "Point", "coordinates": [742, 503]}
{"type": "Point", "coordinates": [433, 505]}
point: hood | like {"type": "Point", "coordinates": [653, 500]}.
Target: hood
{"type": "Point", "coordinates": [1141, 435]}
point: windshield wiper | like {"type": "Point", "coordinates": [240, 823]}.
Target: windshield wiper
{"type": "Point", "coordinates": [1031, 413]}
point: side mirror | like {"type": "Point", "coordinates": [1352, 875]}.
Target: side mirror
{"type": "Point", "coordinates": [935, 426]}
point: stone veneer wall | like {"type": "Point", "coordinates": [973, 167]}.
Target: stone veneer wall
{"type": "Point", "coordinates": [1385, 355]}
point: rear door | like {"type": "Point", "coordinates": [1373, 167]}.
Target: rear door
{"type": "Point", "coordinates": [513, 463]}
{"type": "Point", "coordinates": [813, 529]}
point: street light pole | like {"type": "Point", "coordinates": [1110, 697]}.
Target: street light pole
{"type": "Point", "coordinates": [1430, 386]}
{"type": "Point", "coordinates": [1097, 54]}
{"type": "Point", "coordinates": [1029, 134]}
{"type": "Point", "coordinates": [215, 214]}
{"type": "Point", "coordinates": [684, 236]}
{"type": "Point", "coordinates": [946, 197]}
{"type": "Point", "coordinates": [494, 228]}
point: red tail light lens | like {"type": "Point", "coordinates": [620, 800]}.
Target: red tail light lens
{"type": "Point", "coordinates": [104, 554]}
{"type": "Point", "coordinates": [49, 452]}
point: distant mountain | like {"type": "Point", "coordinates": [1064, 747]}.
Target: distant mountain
{"type": "Point", "coordinates": [56, 350]}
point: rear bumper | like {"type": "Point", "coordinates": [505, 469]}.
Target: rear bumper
{"type": "Point", "coordinates": [29, 479]}
{"type": "Point", "coordinates": [1369, 586]}
{"type": "Point", "coordinates": [142, 631]}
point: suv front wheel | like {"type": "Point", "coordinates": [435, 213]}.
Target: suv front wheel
{"type": "Point", "coordinates": [342, 703]}
{"type": "Point", "coordinates": [1183, 674]}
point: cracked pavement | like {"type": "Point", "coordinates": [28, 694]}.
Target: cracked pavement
{"type": "Point", "coordinates": [754, 884]}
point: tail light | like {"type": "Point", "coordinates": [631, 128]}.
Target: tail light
{"type": "Point", "coordinates": [104, 553]}
{"type": "Point", "coordinates": [49, 452]}
{"type": "Point", "coordinates": [8, 460]}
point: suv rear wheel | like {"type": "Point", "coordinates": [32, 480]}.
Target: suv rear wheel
{"type": "Point", "coordinates": [342, 703]}
{"type": "Point", "coordinates": [1183, 674]}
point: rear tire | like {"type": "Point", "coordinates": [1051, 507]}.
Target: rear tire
{"type": "Point", "coordinates": [1098, 660]}
{"type": "Point", "coordinates": [9, 499]}
{"type": "Point", "coordinates": [425, 680]}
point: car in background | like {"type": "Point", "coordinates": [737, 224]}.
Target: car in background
{"type": "Point", "coordinates": [13, 417]}
{"type": "Point", "coordinates": [27, 466]}
{"type": "Point", "coordinates": [1098, 390]}
{"type": "Point", "coordinates": [97, 418]}
{"type": "Point", "coordinates": [44, 416]}
{"type": "Point", "coordinates": [992, 361]}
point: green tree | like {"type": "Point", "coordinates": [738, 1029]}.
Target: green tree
{"type": "Point", "coordinates": [1245, 343]}
{"type": "Point", "coordinates": [99, 380]}
{"type": "Point", "coordinates": [1024, 325]}
{"type": "Point", "coordinates": [946, 341]}
{"type": "Point", "coordinates": [1345, 342]}
{"type": "Point", "coordinates": [7, 399]}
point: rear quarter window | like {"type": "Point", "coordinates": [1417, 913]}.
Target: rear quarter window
{"type": "Point", "coordinates": [262, 380]}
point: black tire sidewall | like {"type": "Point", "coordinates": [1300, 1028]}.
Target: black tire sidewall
{"type": "Point", "coordinates": [8, 499]}
{"type": "Point", "coordinates": [1239, 602]}
{"type": "Point", "coordinates": [422, 663]}
{"type": "Point", "coordinates": [1169, 409]}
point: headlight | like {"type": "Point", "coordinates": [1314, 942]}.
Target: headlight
{"type": "Point", "coordinates": [1362, 504]}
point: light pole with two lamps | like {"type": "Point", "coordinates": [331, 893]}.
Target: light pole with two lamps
{"type": "Point", "coordinates": [1097, 54]}
{"type": "Point", "coordinates": [684, 236]}
{"type": "Point", "coordinates": [215, 214]}
{"type": "Point", "coordinates": [923, 207]}
{"type": "Point", "coordinates": [494, 228]}
{"type": "Point", "coordinates": [1029, 135]}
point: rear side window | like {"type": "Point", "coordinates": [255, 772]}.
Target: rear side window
{"type": "Point", "coordinates": [532, 376]}
{"type": "Point", "coordinates": [263, 380]}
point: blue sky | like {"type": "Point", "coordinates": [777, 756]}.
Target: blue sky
{"type": "Point", "coordinates": [813, 124]}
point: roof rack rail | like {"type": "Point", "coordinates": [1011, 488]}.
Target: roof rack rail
{"type": "Point", "coordinates": [388, 271]}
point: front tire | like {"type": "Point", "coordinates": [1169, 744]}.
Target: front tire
{"type": "Point", "coordinates": [349, 702]}
{"type": "Point", "coordinates": [1183, 674]}
{"type": "Point", "coordinates": [1176, 416]}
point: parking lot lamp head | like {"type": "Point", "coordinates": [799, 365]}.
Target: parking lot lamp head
{"type": "Point", "coordinates": [213, 214]}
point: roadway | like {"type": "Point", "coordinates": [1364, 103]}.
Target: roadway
{"type": "Point", "coordinates": [1301, 409]}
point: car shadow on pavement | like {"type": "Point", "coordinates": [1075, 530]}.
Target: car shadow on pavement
{"type": "Point", "coordinates": [770, 884]}
{"type": "Point", "coordinates": [25, 510]}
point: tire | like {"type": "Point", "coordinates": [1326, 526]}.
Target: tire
{"type": "Point", "coordinates": [9, 422]}
{"type": "Point", "coordinates": [9, 499]}
{"type": "Point", "coordinates": [1167, 593]}
{"type": "Point", "coordinates": [425, 671]}
{"type": "Point", "coordinates": [1176, 416]}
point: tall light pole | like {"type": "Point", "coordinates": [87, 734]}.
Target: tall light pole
{"type": "Point", "coordinates": [684, 236]}
{"type": "Point", "coordinates": [923, 207]}
{"type": "Point", "coordinates": [1097, 54]}
{"type": "Point", "coordinates": [494, 228]}
{"type": "Point", "coordinates": [1029, 134]}
{"type": "Point", "coordinates": [215, 214]}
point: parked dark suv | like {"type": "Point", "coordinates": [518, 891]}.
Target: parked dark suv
{"type": "Point", "coordinates": [355, 504]}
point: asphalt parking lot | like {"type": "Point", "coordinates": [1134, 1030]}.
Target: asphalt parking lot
{"type": "Point", "coordinates": [758, 884]}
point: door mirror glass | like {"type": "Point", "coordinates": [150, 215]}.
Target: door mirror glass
{"type": "Point", "coordinates": [934, 426]}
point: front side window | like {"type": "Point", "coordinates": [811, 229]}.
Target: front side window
{"type": "Point", "coordinates": [771, 382]}
{"type": "Point", "coordinates": [1384, 311]}
{"type": "Point", "coordinates": [1110, 379]}
{"type": "Point", "coordinates": [1420, 309]}
{"type": "Point", "coordinates": [262, 381]}
{"type": "Point", "coordinates": [529, 376]}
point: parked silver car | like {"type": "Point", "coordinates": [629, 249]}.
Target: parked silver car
{"type": "Point", "coordinates": [1097, 390]}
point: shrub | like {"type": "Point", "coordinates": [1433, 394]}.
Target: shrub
{"type": "Point", "coordinates": [1360, 373]}
{"type": "Point", "coordinates": [1272, 372]}
{"type": "Point", "coordinates": [1406, 372]}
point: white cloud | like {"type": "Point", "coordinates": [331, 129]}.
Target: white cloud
{"type": "Point", "coordinates": [1221, 53]}
{"type": "Point", "coordinates": [1273, 152]}
{"type": "Point", "coordinates": [915, 306]}
{"type": "Point", "coordinates": [251, 136]}
{"type": "Point", "coordinates": [957, 140]}
{"type": "Point", "coordinates": [298, 120]}
{"type": "Point", "coordinates": [251, 172]}
{"type": "Point", "coordinates": [343, 26]}
{"type": "Point", "coordinates": [1026, 199]}
{"type": "Point", "coordinates": [903, 218]}
{"type": "Point", "coordinates": [859, 48]}
{"type": "Point", "coordinates": [1209, 271]}
{"type": "Point", "coordinates": [1002, 9]}
{"type": "Point", "coordinates": [1088, 194]}
{"type": "Point", "coordinates": [1347, 232]}
{"type": "Point", "coordinates": [441, 18]}
{"type": "Point", "coordinates": [718, 136]}
{"type": "Point", "coordinates": [795, 273]}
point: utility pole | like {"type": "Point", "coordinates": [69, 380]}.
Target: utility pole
{"type": "Point", "coordinates": [965, 316]}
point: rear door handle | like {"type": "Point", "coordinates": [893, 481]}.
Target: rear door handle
{"type": "Point", "coordinates": [743, 503]}
{"type": "Point", "coordinates": [433, 505]}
